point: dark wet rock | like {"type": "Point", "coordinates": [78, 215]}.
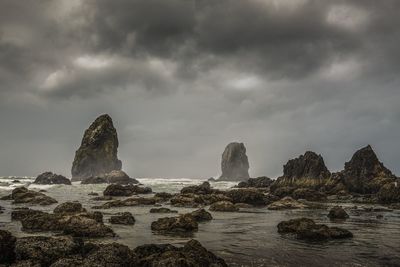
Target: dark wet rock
{"type": "Point", "coordinates": [125, 190]}
{"type": "Point", "coordinates": [21, 213]}
{"type": "Point", "coordinates": [308, 194]}
{"type": "Point", "coordinates": [16, 181]}
{"type": "Point", "coordinates": [163, 196]}
{"type": "Point", "coordinates": [211, 179]}
{"type": "Point", "coordinates": [306, 171]}
{"type": "Point", "coordinates": [102, 198]}
{"type": "Point", "coordinates": [22, 195]}
{"type": "Point", "coordinates": [97, 154]}
{"type": "Point", "coordinates": [51, 178]}
{"type": "Point", "coordinates": [123, 218]}
{"type": "Point", "coordinates": [225, 206]}
{"type": "Point", "coordinates": [284, 191]}
{"type": "Point", "coordinates": [191, 254]}
{"type": "Point", "coordinates": [187, 200]}
{"type": "Point", "coordinates": [338, 212]}
{"type": "Point", "coordinates": [202, 189]}
{"type": "Point", "coordinates": [389, 193]}
{"type": "Point", "coordinates": [247, 195]}
{"type": "Point", "coordinates": [286, 203]}
{"type": "Point", "coordinates": [162, 210]}
{"type": "Point", "coordinates": [127, 203]}
{"type": "Point", "coordinates": [259, 182]}
{"type": "Point", "coordinates": [234, 163]}
{"type": "Point", "coordinates": [93, 194]}
{"type": "Point", "coordinates": [7, 245]}
{"type": "Point", "coordinates": [307, 229]}
{"type": "Point", "coordinates": [119, 177]}
{"type": "Point", "coordinates": [364, 173]}
{"type": "Point", "coordinates": [69, 208]}
{"type": "Point", "coordinates": [94, 180]}
{"type": "Point", "coordinates": [201, 215]}
{"type": "Point", "coordinates": [82, 226]}
{"type": "Point", "coordinates": [45, 250]}
{"type": "Point", "coordinates": [181, 224]}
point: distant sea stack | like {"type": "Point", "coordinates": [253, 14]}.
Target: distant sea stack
{"type": "Point", "coordinates": [97, 154]}
{"type": "Point", "coordinates": [307, 170]}
{"type": "Point", "coordinates": [234, 164]}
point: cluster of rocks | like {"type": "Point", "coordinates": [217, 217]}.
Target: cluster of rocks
{"type": "Point", "coordinates": [69, 251]}
{"type": "Point", "coordinates": [21, 195]}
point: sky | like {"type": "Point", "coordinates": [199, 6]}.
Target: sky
{"type": "Point", "coordinates": [183, 78]}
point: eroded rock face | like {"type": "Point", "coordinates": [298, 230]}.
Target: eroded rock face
{"type": "Point", "coordinates": [51, 178]}
{"type": "Point", "coordinates": [364, 173]}
{"type": "Point", "coordinates": [97, 154]}
{"type": "Point", "coordinates": [234, 164]}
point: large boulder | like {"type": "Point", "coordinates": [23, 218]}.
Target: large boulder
{"type": "Point", "coordinates": [125, 190]}
{"type": "Point", "coordinates": [364, 173]}
{"type": "Point", "coordinates": [224, 206]}
{"type": "Point", "coordinates": [21, 195]}
{"type": "Point", "coordinates": [51, 178]}
{"type": "Point", "coordinates": [69, 208]}
{"type": "Point", "coordinates": [7, 245]}
{"type": "Point", "coordinates": [97, 154]}
{"type": "Point", "coordinates": [203, 189]}
{"type": "Point", "coordinates": [182, 224]}
{"type": "Point", "coordinates": [234, 163]}
{"type": "Point", "coordinates": [337, 212]}
{"type": "Point", "coordinates": [307, 170]}
{"type": "Point", "coordinates": [201, 215]}
{"type": "Point", "coordinates": [248, 196]}
{"type": "Point", "coordinates": [123, 218]}
{"type": "Point", "coordinates": [286, 203]}
{"type": "Point", "coordinates": [259, 182]}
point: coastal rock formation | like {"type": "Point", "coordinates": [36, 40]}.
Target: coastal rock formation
{"type": "Point", "coordinates": [390, 193]}
{"type": "Point", "coordinates": [308, 194]}
{"type": "Point", "coordinates": [203, 189]}
{"type": "Point", "coordinates": [7, 245]}
{"type": "Point", "coordinates": [259, 182]}
{"type": "Point", "coordinates": [224, 206]}
{"type": "Point", "coordinates": [247, 195]}
{"type": "Point", "coordinates": [201, 215]}
{"type": "Point", "coordinates": [182, 224]}
{"type": "Point", "coordinates": [364, 173]}
{"type": "Point", "coordinates": [51, 178]}
{"type": "Point", "coordinates": [123, 218]}
{"type": "Point", "coordinates": [113, 177]}
{"type": "Point", "coordinates": [129, 202]}
{"type": "Point", "coordinates": [306, 171]}
{"type": "Point", "coordinates": [69, 208]}
{"type": "Point", "coordinates": [338, 212]}
{"type": "Point", "coordinates": [125, 190]}
{"type": "Point", "coordinates": [162, 210]}
{"type": "Point", "coordinates": [97, 154]}
{"type": "Point", "coordinates": [307, 229]}
{"type": "Point", "coordinates": [286, 203]}
{"type": "Point", "coordinates": [234, 163]}
{"type": "Point", "coordinates": [23, 195]}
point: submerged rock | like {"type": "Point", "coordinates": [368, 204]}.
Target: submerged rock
{"type": "Point", "coordinates": [201, 215]}
{"type": "Point", "coordinates": [125, 190]}
{"type": "Point", "coordinates": [234, 163]}
{"type": "Point", "coordinates": [97, 154]}
{"type": "Point", "coordinates": [286, 203]}
{"type": "Point", "coordinates": [162, 210]}
{"type": "Point", "coordinates": [307, 229]}
{"type": "Point", "coordinates": [225, 206]}
{"type": "Point", "coordinates": [259, 182]}
{"type": "Point", "coordinates": [22, 195]}
{"type": "Point", "coordinates": [7, 245]}
{"type": "Point", "coordinates": [182, 224]}
{"type": "Point", "coordinates": [338, 212]}
{"type": "Point", "coordinates": [123, 218]}
{"type": "Point", "coordinates": [51, 178]}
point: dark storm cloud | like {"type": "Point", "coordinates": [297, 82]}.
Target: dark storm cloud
{"type": "Point", "coordinates": [182, 78]}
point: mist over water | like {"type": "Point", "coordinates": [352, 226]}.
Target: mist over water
{"type": "Point", "coordinates": [245, 238]}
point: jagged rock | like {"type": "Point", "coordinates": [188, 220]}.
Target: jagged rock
{"type": "Point", "coordinates": [364, 173]}
{"type": "Point", "coordinates": [202, 189]}
{"type": "Point", "coordinates": [259, 182]}
{"type": "Point", "coordinates": [338, 212]}
{"type": "Point", "coordinates": [306, 171]}
{"type": "Point", "coordinates": [286, 203]}
{"type": "Point", "coordinates": [123, 218]}
{"type": "Point", "coordinates": [307, 229]}
{"type": "Point", "coordinates": [249, 196]}
{"type": "Point", "coordinates": [162, 210]}
{"type": "Point", "coordinates": [7, 245]}
{"type": "Point", "coordinates": [389, 193]}
{"type": "Point", "coordinates": [45, 250]}
{"type": "Point", "coordinates": [225, 206]}
{"type": "Point", "coordinates": [69, 208]}
{"type": "Point", "coordinates": [51, 178]}
{"type": "Point", "coordinates": [201, 215]}
{"type": "Point", "coordinates": [308, 194]}
{"type": "Point", "coordinates": [191, 254]}
{"type": "Point", "coordinates": [23, 195]}
{"type": "Point", "coordinates": [97, 154]}
{"type": "Point", "coordinates": [181, 224]}
{"type": "Point", "coordinates": [125, 190]}
{"type": "Point", "coordinates": [234, 163]}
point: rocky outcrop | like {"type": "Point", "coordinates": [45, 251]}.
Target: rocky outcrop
{"type": "Point", "coordinates": [390, 193]}
{"type": "Point", "coordinates": [307, 229]}
{"type": "Point", "coordinates": [201, 215]}
{"type": "Point", "coordinates": [125, 190]}
{"type": "Point", "coordinates": [69, 208]}
{"type": "Point", "coordinates": [248, 196]}
{"type": "Point", "coordinates": [308, 194]}
{"type": "Point", "coordinates": [234, 163]}
{"type": "Point", "coordinates": [113, 177]}
{"type": "Point", "coordinates": [364, 173]}
{"type": "Point", "coordinates": [182, 224]}
{"type": "Point", "coordinates": [162, 210]}
{"type": "Point", "coordinates": [306, 171]}
{"type": "Point", "coordinates": [123, 218]}
{"type": "Point", "coordinates": [259, 182]}
{"type": "Point", "coordinates": [337, 212]}
{"type": "Point", "coordinates": [286, 203]}
{"type": "Point", "coordinates": [7, 245]}
{"type": "Point", "coordinates": [203, 189]}
{"type": "Point", "coordinates": [51, 178]}
{"type": "Point", "coordinates": [97, 154]}
{"type": "Point", "coordinates": [224, 206]}
{"type": "Point", "coordinates": [22, 195]}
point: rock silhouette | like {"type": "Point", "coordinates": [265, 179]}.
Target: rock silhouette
{"type": "Point", "coordinates": [234, 164]}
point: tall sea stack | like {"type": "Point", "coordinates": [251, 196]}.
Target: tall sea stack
{"type": "Point", "coordinates": [234, 164]}
{"type": "Point", "coordinates": [97, 154]}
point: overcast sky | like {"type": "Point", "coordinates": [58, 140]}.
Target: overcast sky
{"type": "Point", "coordinates": [181, 79]}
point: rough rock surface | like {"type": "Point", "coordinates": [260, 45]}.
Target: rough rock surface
{"type": "Point", "coordinates": [181, 224]}
{"type": "Point", "coordinates": [113, 177]}
{"type": "Point", "coordinates": [247, 195]}
{"type": "Point", "coordinates": [234, 163]}
{"type": "Point", "coordinates": [203, 189]}
{"type": "Point", "coordinates": [123, 218]}
{"type": "Point", "coordinates": [337, 212]}
{"type": "Point", "coordinates": [259, 182]}
{"type": "Point", "coordinates": [307, 170]}
{"type": "Point", "coordinates": [69, 208]}
{"type": "Point", "coordinates": [7, 245]}
{"type": "Point", "coordinates": [364, 173]}
{"type": "Point", "coordinates": [307, 229]}
{"type": "Point", "coordinates": [201, 215]}
{"type": "Point", "coordinates": [129, 202]}
{"type": "Point", "coordinates": [97, 154]}
{"type": "Point", "coordinates": [225, 206]}
{"type": "Point", "coordinates": [23, 195]}
{"type": "Point", "coordinates": [308, 194]}
{"type": "Point", "coordinates": [162, 210]}
{"type": "Point", "coordinates": [51, 178]}
{"type": "Point", "coordinates": [390, 193]}
{"type": "Point", "coordinates": [125, 190]}
{"type": "Point", "coordinates": [286, 203]}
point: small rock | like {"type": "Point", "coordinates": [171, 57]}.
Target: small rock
{"type": "Point", "coordinates": [162, 210]}
{"type": "Point", "coordinates": [338, 212]}
{"type": "Point", "coordinates": [201, 215]}
{"type": "Point", "coordinates": [123, 218]}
